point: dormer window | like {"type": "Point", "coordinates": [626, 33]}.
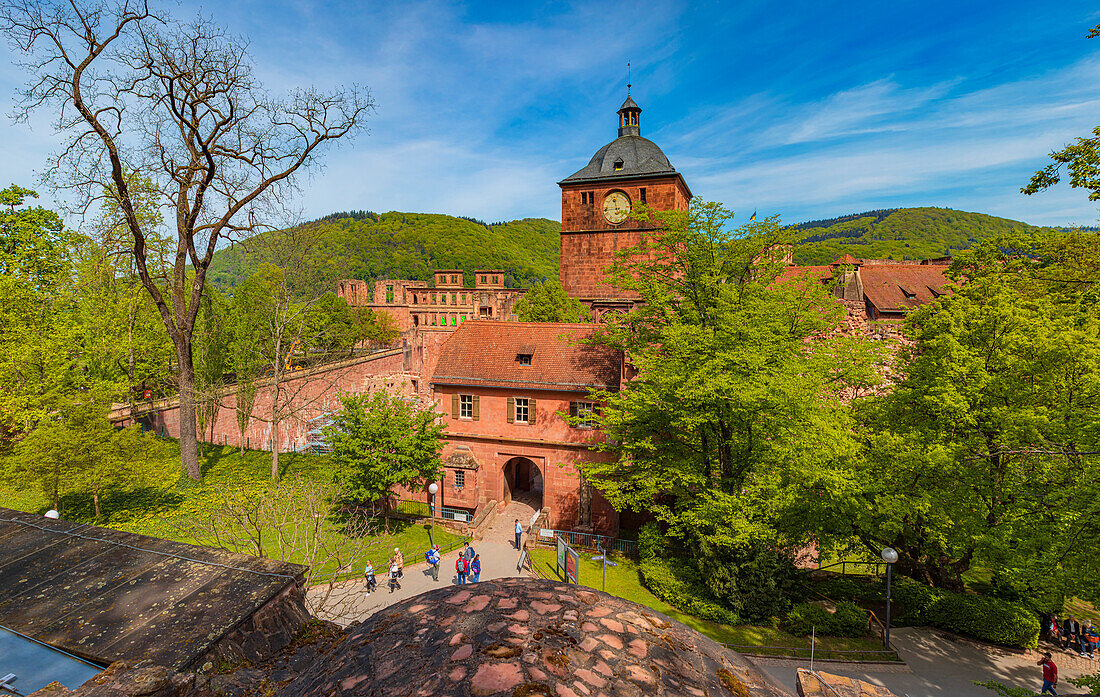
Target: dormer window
{"type": "Point", "coordinates": [618, 164]}
{"type": "Point", "coordinates": [524, 359]}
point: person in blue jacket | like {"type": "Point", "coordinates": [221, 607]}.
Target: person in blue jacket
{"type": "Point", "coordinates": [475, 568]}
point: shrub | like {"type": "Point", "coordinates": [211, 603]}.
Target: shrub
{"type": "Point", "coordinates": [804, 617]}
{"type": "Point", "coordinates": [911, 601]}
{"type": "Point", "coordinates": [755, 580]}
{"type": "Point", "coordinates": [651, 542]}
{"type": "Point", "coordinates": [988, 619]}
{"type": "Point", "coordinates": [849, 620]}
{"type": "Point", "coordinates": [678, 585]}
{"type": "Point", "coordinates": [682, 588]}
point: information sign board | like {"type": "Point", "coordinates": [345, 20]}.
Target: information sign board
{"type": "Point", "coordinates": [572, 565]}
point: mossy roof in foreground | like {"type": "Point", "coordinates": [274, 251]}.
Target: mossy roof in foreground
{"type": "Point", "coordinates": [107, 595]}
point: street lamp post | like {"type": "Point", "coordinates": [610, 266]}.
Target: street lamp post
{"type": "Point", "coordinates": [889, 555]}
{"type": "Point", "coordinates": [432, 489]}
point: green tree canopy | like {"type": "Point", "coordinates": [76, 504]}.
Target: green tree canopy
{"type": "Point", "coordinates": [547, 301]}
{"type": "Point", "coordinates": [738, 377]}
{"type": "Point", "coordinates": [977, 457]}
{"type": "Point", "coordinates": [381, 441]}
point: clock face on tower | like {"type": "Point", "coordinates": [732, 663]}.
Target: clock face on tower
{"type": "Point", "coordinates": [616, 206]}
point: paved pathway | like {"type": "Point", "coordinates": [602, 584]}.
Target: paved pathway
{"type": "Point", "coordinates": [349, 601]}
{"type": "Point", "coordinates": [942, 665]}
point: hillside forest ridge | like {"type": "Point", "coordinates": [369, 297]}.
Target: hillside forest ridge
{"type": "Point", "coordinates": [368, 246]}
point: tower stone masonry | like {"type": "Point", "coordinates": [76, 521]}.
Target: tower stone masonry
{"type": "Point", "coordinates": [595, 203]}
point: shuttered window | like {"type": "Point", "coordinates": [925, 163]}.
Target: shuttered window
{"type": "Point", "coordinates": [586, 412]}
{"type": "Point", "coordinates": [521, 410]}
{"type": "Point", "coordinates": [465, 406]}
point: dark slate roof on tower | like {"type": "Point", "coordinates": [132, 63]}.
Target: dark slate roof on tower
{"type": "Point", "coordinates": [640, 156]}
{"type": "Point", "coordinates": [629, 104]}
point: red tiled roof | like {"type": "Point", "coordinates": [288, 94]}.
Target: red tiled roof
{"type": "Point", "coordinates": [899, 287]}
{"type": "Point", "coordinates": [485, 353]}
{"type": "Point", "coordinates": [805, 273]}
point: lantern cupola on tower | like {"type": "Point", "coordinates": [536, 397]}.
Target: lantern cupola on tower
{"type": "Point", "coordinates": [628, 117]}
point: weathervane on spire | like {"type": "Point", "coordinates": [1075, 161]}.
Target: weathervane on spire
{"type": "Point", "coordinates": [628, 78]}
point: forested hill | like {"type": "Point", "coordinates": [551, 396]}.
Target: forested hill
{"type": "Point", "coordinates": [898, 233]}
{"type": "Point", "coordinates": [366, 245]}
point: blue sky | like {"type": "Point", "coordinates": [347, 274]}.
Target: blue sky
{"type": "Point", "coordinates": [805, 109]}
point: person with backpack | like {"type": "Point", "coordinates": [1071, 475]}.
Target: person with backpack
{"type": "Point", "coordinates": [461, 567]}
{"type": "Point", "coordinates": [395, 577]}
{"type": "Point", "coordinates": [1050, 675]}
{"type": "Point", "coordinates": [368, 576]}
{"type": "Point", "coordinates": [475, 568]}
{"type": "Point", "coordinates": [432, 557]}
{"type": "Point", "coordinates": [399, 559]}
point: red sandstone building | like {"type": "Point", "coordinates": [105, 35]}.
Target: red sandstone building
{"type": "Point", "coordinates": [505, 390]}
{"type": "Point", "coordinates": [446, 303]}
{"type": "Point", "coordinates": [595, 208]}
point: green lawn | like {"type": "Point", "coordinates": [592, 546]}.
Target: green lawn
{"type": "Point", "coordinates": [624, 581]}
{"type": "Point", "coordinates": [162, 502]}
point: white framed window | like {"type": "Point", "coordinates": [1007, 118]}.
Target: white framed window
{"type": "Point", "coordinates": [522, 410]}
{"type": "Point", "coordinates": [460, 479]}
{"type": "Point", "coordinates": [586, 412]}
{"type": "Point", "coordinates": [466, 406]}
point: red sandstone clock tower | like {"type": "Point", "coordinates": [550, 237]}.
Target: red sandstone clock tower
{"type": "Point", "coordinates": [595, 203]}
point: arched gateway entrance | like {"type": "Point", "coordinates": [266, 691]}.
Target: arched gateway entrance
{"type": "Point", "coordinates": [523, 482]}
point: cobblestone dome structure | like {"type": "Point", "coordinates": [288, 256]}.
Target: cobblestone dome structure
{"type": "Point", "coordinates": [526, 638]}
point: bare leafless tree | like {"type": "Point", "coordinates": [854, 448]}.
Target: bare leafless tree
{"type": "Point", "coordinates": [293, 520]}
{"type": "Point", "coordinates": [136, 93]}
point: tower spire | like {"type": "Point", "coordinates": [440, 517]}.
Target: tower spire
{"type": "Point", "coordinates": [628, 112]}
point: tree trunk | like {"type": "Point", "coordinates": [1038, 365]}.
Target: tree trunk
{"type": "Point", "coordinates": [386, 513]}
{"type": "Point", "coordinates": [189, 437]}
{"type": "Point", "coordinates": [95, 497]}
{"type": "Point", "coordinates": [275, 450]}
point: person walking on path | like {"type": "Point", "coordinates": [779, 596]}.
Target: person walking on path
{"type": "Point", "coordinates": [399, 559]}
{"type": "Point", "coordinates": [1050, 675]}
{"type": "Point", "coordinates": [1070, 630]}
{"type": "Point", "coordinates": [519, 533]}
{"type": "Point", "coordinates": [461, 567]}
{"type": "Point", "coordinates": [395, 574]}
{"type": "Point", "coordinates": [468, 552]}
{"type": "Point", "coordinates": [369, 581]}
{"type": "Point", "coordinates": [433, 560]}
{"type": "Point", "coordinates": [475, 568]}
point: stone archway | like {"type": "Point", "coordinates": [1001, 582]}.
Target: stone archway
{"type": "Point", "coordinates": [523, 481]}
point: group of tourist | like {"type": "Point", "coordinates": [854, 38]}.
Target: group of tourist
{"type": "Point", "coordinates": [1072, 635]}
{"type": "Point", "coordinates": [1079, 637]}
{"type": "Point", "coordinates": [467, 567]}
{"type": "Point", "coordinates": [395, 570]}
